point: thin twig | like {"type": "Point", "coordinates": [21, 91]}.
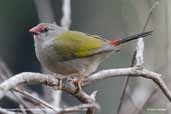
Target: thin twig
{"type": "Point", "coordinates": [4, 111]}
{"type": "Point", "coordinates": [5, 73]}
{"type": "Point", "coordinates": [4, 69]}
{"type": "Point", "coordinates": [134, 55]}
{"type": "Point", "coordinates": [140, 42]}
{"type": "Point", "coordinates": [126, 81]}
{"type": "Point", "coordinates": [41, 102]}
{"type": "Point", "coordinates": [77, 108]}
{"type": "Point", "coordinates": [149, 14]}
{"type": "Point", "coordinates": [21, 101]}
{"type": "Point", "coordinates": [23, 111]}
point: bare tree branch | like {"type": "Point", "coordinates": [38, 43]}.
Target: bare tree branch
{"type": "Point", "coordinates": [4, 111]}
{"type": "Point", "coordinates": [133, 72]}
{"type": "Point", "coordinates": [125, 86]}
{"type": "Point", "coordinates": [138, 54]}
{"type": "Point", "coordinates": [66, 19]}
{"type": "Point", "coordinates": [23, 111]}
{"type": "Point", "coordinates": [78, 108]}
{"type": "Point", "coordinates": [38, 100]}
{"type": "Point", "coordinates": [69, 87]}
{"type": "Point", "coordinates": [5, 73]}
{"type": "Point", "coordinates": [29, 77]}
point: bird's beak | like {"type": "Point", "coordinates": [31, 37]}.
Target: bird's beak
{"type": "Point", "coordinates": [36, 30]}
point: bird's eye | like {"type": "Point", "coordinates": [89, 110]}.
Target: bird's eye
{"type": "Point", "coordinates": [45, 30]}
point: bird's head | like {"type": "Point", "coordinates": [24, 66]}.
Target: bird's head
{"type": "Point", "coordinates": [45, 31]}
{"type": "Point", "coordinates": [43, 28]}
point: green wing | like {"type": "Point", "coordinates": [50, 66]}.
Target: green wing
{"type": "Point", "coordinates": [72, 44]}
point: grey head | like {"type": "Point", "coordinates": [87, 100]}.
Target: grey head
{"type": "Point", "coordinates": [46, 31]}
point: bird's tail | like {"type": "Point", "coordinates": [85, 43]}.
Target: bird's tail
{"type": "Point", "coordinates": [129, 38]}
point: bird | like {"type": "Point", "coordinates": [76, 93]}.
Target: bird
{"type": "Point", "coordinates": [73, 53]}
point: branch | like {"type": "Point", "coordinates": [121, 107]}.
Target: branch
{"type": "Point", "coordinates": [66, 19]}
{"type": "Point", "coordinates": [125, 85]}
{"type": "Point", "coordinates": [4, 111]}
{"type": "Point", "coordinates": [69, 87]}
{"type": "Point", "coordinates": [28, 77]}
{"type": "Point", "coordinates": [138, 58]}
{"type": "Point", "coordinates": [140, 42]}
{"type": "Point", "coordinates": [83, 97]}
{"type": "Point", "coordinates": [5, 73]}
{"type": "Point", "coordinates": [132, 72]}
{"type": "Point", "coordinates": [78, 108]}
{"type": "Point", "coordinates": [35, 99]}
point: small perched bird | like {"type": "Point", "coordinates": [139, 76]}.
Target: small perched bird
{"type": "Point", "coordinates": [73, 53]}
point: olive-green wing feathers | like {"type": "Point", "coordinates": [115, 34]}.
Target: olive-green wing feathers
{"type": "Point", "coordinates": [72, 45]}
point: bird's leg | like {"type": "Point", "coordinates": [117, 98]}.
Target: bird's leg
{"type": "Point", "coordinates": [78, 82]}
{"type": "Point", "coordinates": [60, 78]}
{"type": "Point", "coordinates": [60, 84]}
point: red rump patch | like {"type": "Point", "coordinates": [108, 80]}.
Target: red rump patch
{"type": "Point", "coordinates": [115, 42]}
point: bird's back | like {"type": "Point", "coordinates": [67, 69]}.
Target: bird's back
{"type": "Point", "coordinates": [74, 52]}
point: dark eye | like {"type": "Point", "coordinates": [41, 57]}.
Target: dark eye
{"type": "Point", "coordinates": [45, 30]}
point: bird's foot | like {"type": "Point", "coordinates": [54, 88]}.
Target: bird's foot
{"type": "Point", "coordinates": [60, 78]}
{"type": "Point", "coordinates": [59, 86]}
{"type": "Point", "coordinates": [78, 82]}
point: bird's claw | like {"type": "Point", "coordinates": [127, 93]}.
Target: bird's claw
{"type": "Point", "coordinates": [77, 82]}
{"type": "Point", "coordinates": [60, 84]}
